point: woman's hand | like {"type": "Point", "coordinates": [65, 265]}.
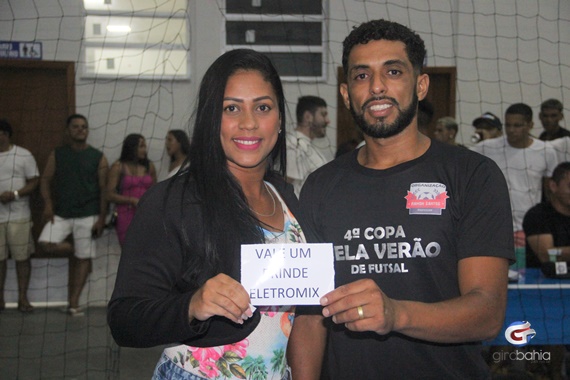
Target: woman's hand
{"type": "Point", "coordinates": [220, 295]}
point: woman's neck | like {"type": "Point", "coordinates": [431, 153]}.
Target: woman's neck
{"type": "Point", "coordinates": [177, 160]}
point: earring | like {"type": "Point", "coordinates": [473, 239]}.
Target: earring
{"type": "Point", "coordinates": [280, 131]}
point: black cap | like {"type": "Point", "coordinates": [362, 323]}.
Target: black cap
{"type": "Point", "coordinates": [489, 119]}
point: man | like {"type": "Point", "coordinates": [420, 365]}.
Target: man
{"type": "Point", "coordinates": [76, 172]}
{"type": "Point", "coordinates": [446, 130]}
{"type": "Point", "coordinates": [19, 177]}
{"type": "Point", "coordinates": [547, 224]}
{"type": "Point", "coordinates": [547, 227]}
{"type": "Point", "coordinates": [302, 156]}
{"type": "Point", "coordinates": [421, 248]}
{"type": "Point", "coordinates": [551, 112]}
{"type": "Point", "coordinates": [487, 126]}
{"type": "Point", "coordinates": [525, 162]}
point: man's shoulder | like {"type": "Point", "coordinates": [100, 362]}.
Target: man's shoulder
{"type": "Point", "coordinates": [297, 140]}
{"type": "Point", "coordinates": [20, 151]}
{"type": "Point", "coordinates": [540, 210]}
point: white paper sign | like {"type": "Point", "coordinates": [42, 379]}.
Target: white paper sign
{"type": "Point", "coordinates": [287, 274]}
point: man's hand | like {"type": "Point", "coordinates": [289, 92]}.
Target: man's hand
{"type": "Point", "coordinates": [98, 227]}
{"type": "Point", "coordinates": [7, 197]}
{"type": "Point", "coordinates": [48, 214]}
{"type": "Point", "coordinates": [360, 306]}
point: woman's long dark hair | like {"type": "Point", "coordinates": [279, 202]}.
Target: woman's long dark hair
{"type": "Point", "coordinates": [130, 149]}
{"type": "Point", "coordinates": [228, 220]}
{"type": "Point", "coordinates": [182, 138]}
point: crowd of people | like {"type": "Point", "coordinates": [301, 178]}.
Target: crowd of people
{"type": "Point", "coordinates": [434, 287]}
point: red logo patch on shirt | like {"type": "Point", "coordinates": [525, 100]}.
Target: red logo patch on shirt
{"type": "Point", "coordinates": [426, 198]}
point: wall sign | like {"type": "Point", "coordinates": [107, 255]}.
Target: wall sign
{"type": "Point", "coordinates": [20, 50]}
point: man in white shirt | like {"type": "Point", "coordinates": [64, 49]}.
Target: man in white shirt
{"type": "Point", "coordinates": [525, 161]}
{"type": "Point", "coordinates": [19, 177]}
{"type": "Point", "coordinates": [302, 156]}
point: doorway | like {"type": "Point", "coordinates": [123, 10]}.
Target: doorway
{"type": "Point", "coordinates": [36, 99]}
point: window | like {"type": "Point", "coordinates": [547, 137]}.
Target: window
{"type": "Point", "coordinates": [139, 39]}
{"type": "Point", "coordinates": [290, 32]}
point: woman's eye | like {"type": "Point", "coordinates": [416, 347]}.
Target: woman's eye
{"type": "Point", "coordinates": [231, 108]}
{"type": "Point", "coordinates": [264, 108]}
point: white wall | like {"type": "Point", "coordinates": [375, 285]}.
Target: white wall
{"type": "Point", "coordinates": [505, 52]}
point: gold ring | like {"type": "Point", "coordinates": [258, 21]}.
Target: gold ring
{"type": "Point", "coordinates": [360, 312]}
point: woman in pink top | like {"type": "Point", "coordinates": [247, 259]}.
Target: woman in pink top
{"type": "Point", "coordinates": [129, 177]}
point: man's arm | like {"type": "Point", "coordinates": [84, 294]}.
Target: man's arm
{"type": "Point", "coordinates": [540, 245]}
{"type": "Point", "coordinates": [478, 314]}
{"type": "Point", "coordinates": [45, 187]}
{"type": "Point", "coordinates": [29, 187]}
{"type": "Point", "coordinates": [306, 347]}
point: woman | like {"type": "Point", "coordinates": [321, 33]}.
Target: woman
{"type": "Point", "coordinates": [128, 179]}
{"type": "Point", "coordinates": [177, 147]}
{"type": "Point", "coordinates": [178, 279]}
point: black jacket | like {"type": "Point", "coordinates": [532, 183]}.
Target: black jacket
{"type": "Point", "coordinates": [149, 305]}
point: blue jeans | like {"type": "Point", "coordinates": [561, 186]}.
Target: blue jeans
{"type": "Point", "coordinates": [167, 370]}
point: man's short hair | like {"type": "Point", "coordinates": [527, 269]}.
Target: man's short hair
{"type": "Point", "coordinates": [488, 121]}
{"type": "Point", "coordinates": [520, 109]}
{"type": "Point", "coordinates": [560, 172]}
{"type": "Point", "coordinates": [385, 30]}
{"type": "Point", "coordinates": [76, 116]}
{"type": "Point", "coordinates": [6, 127]}
{"type": "Point", "coordinates": [449, 123]}
{"type": "Point", "coordinates": [552, 104]}
{"type": "Point", "coordinates": [308, 103]}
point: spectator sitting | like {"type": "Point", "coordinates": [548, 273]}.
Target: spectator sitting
{"type": "Point", "coordinates": [547, 227]}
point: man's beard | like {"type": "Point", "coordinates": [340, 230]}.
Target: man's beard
{"type": "Point", "coordinates": [380, 129]}
{"type": "Point", "coordinates": [318, 130]}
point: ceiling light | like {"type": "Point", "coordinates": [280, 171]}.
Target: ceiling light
{"type": "Point", "coordinates": [118, 28]}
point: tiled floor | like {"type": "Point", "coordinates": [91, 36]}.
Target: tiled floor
{"type": "Point", "coordinates": [47, 344]}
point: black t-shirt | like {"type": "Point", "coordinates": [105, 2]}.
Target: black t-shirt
{"type": "Point", "coordinates": [544, 219]}
{"type": "Point", "coordinates": [561, 132]}
{"type": "Point", "coordinates": [407, 227]}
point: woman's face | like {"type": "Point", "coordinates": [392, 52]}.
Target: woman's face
{"type": "Point", "coordinates": [172, 145]}
{"type": "Point", "coordinates": [141, 149]}
{"type": "Point", "coordinates": [250, 120]}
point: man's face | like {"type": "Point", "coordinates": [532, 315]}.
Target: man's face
{"type": "Point", "coordinates": [550, 119]}
{"type": "Point", "coordinates": [517, 129]}
{"type": "Point", "coordinates": [320, 120]}
{"type": "Point", "coordinates": [561, 190]}
{"type": "Point", "coordinates": [4, 140]}
{"type": "Point", "coordinates": [78, 130]}
{"type": "Point", "coordinates": [382, 90]}
{"type": "Point", "coordinates": [443, 134]}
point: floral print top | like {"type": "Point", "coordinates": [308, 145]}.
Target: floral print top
{"type": "Point", "coordinates": [262, 354]}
